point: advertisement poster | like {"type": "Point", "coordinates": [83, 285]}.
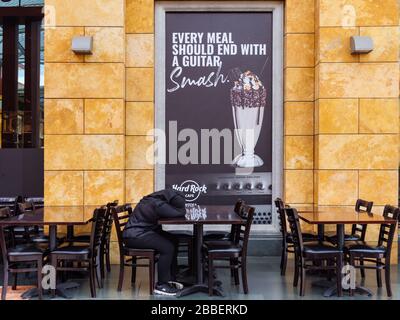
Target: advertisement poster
{"type": "Point", "coordinates": [218, 86]}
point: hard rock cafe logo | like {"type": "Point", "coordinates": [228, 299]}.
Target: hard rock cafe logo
{"type": "Point", "coordinates": [191, 189]}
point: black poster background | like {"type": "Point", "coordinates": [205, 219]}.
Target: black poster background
{"type": "Point", "coordinates": [206, 108]}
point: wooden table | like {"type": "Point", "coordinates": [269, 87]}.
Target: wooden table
{"type": "Point", "coordinates": [340, 216]}
{"type": "Point", "coordinates": [53, 217]}
{"type": "Point", "coordinates": [198, 216]}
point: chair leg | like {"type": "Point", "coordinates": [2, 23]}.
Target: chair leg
{"type": "Point", "coordinates": [151, 275]}
{"type": "Point", "coordinates": [101, 261]}
{"type": "Point", "coordinates": [121, 272]}
{"type": "Point", "coordinates": [362, 270]}
{"type": "Point", "coordinates": [14, 286]}
{"type": "Point", "coordinates": [39, 278]}
{"type": "Point", "coordinates": [339, 266]}
{"type": "Point", "coordinates": [296, 271]}
{"type": "Point", "coordinates": [284, 257]}
{"type": "Point", "coordinates": [92, 276]}
{"type": "Point", "coordinates": [133, 276]}
{"type": "Point", "coordinates": [378, 274]}
{"type": "Point", "coordinates": [231, 264]}
{"type": "Point", "coordinates": [210, 276]}
{"type": "Point", "coordinates": [352, 263]}
{"type": "Point", "coordinates": [244, 276]}
{"type": "Point", "coordinates": [302, 280]}
{"type": "Point", "coordinates": [387, 278]}
{"type": "Point", "coordinates": [5, 281]}
{"type": "Point", "coordinates": [236, 272]}
{"type": "Point", "coordinates": [108, 262]}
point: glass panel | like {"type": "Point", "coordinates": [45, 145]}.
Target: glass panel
{"type": "Point", "coordinates": [21, 3]}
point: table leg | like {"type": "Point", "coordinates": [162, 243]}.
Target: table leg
{"type": "Point", "coordinates": [199, 286]}
{"type": "Point", "coordinates": [70, 231]}
{"type": "Point", "coordinates": [321, 232]}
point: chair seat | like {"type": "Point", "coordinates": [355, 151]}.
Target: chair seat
{"type": "Point", "coordinates": [317, 248]}
{"type": "Point", "coordinates": [137, 252]}
{"type": "Point", "coordinates": [182, 234]}
{"type": "Point", "coordinates": [222, 247]}
{"type": "Point", "coordinates": [347, 237]}
{"type": "Point", "coordinates": [364, 248]}
{"type": "Point", "coordinates": [307, 237]}
{"type": "Point", "coordinates": [216, 235]}
{"type": "Point", "coordinates": [21, 250]}
{"type": "Point", "coordinates": [74, 249]}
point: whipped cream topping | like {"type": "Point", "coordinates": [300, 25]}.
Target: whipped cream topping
{"type": "Point", "coordinates": [248, 91]}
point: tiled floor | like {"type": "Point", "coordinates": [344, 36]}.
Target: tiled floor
{"type": "Point", "coordinates": [265, 282]}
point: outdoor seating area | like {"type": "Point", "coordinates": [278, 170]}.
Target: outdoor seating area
{"type": "Point", "coordinates": [318, 257]}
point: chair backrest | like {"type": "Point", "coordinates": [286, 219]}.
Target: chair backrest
{"type": "Point", "coordinates": [237, 209]}
{"type": "Point", "coordinates": [387, 230]}
{"type": "Point", "coordinates": [294, 223]}
{"type": "Point", "coordinates": [5, 242]}
{"type": "Point", "coordinates": [361, 229]}
{"type": "Point", "coordinates": [108, 223]}
{"type": "Point", "coordinates": [98, 220]}
{"type": "Point", "coordinates": [121, 216]}
{"type": "Point", "coordinates": [280, 206]}
{"type": "Point", "coordinates": [242, 233]}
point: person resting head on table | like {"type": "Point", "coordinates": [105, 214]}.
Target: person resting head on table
{"type": "Point", "coordinates": [143, 232]}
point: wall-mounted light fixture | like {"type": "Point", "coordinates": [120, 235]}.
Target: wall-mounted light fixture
{"type": "Point", "coordinates": [361, 44]}
{"type": "Point", "coordinates": [82, 44]}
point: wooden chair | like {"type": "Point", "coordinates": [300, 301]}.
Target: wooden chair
{"type": "Point", "coordinates": [121, 215]}
{"type": "Point", "coordinates": [312, 252]}
{"type": "Point", "coordinates": [363, 252]}
{"type": "Point", "coordinates": [104, 253]}
{"type": "Point", "coordinates": [15, 256]}
{"type": "Point", "coordinates": [358, 232]}
{"type": "Point", "coordinates": [233, 251]}
{"type": "Point", "coordinates": [287, 239]}
{"type": "Point", "coordinates": [84, 255]}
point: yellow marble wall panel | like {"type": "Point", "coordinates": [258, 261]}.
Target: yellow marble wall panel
{"type": "Point", "coordinates": [379, 116]}
{"type": "Point", "coordinates": [337, 187]}
{"type": "Point", "coordinates": [103, 186]}
{"type": "Point", "coordinates": [299, 50]}
{"type": "Point", "coordinates": [139, 118]}
{"type": "Point", "coordinates": [299, 16]}
{"type": "Point", "coordinates": [299, 118]}
{"type": "Point", "coordinates": [86, 12]}
{"type": "Point", "coordinates": [139, 152]}
{"type": "Point", "coordinates": [104, 116]}
{"type": "Point", "coordinates": [138, 184]}
{"type": "Point", "coordinates": [84, 80]}
{"type": "Point", "coordinates": [299, 84]}
{"type": "Point", "coordinates": [78, 152]}
{"type": "Point", "coordinates": [386, 44]}
{"type": "Point", "coordinates": [63, 116]}
{"type": "Point", "coordinates": [381, 186]}
{"type": "Point", "coordinates": [348, 13]}
{"type": "Point", "coordinates": [299, 186]}
{"type": "Point", "coordinates": [104, 152]}
{"type": "Point", "coordinates": [139, 16]}
{"type": "Point", "coordinates": [139, 84]}
{"type": "Point", "coordinates": [358, 151]}
{"type": "Point", "coordinates": [354, 80]}
{"type": "Point", "coordinates": [58, 44]}
{"type": "Point", "coordinates": [334, 45]}
{"type": "Point", "coordinates": [299, 152]}
{"type": "Point", "coordinates": [63, 188]}
{"type": "Point", "coordinates": [338, 116]}
{"type": "Point", "coordinates": [140, 50]}
{"type": "Point", "coordinates": [108, 44]}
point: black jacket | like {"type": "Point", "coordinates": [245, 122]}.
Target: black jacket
{"type": "Point", "coordinates": [161, 204]}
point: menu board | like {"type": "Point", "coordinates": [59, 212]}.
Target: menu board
{"type": "Point", "coordinates": [218, 98]}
